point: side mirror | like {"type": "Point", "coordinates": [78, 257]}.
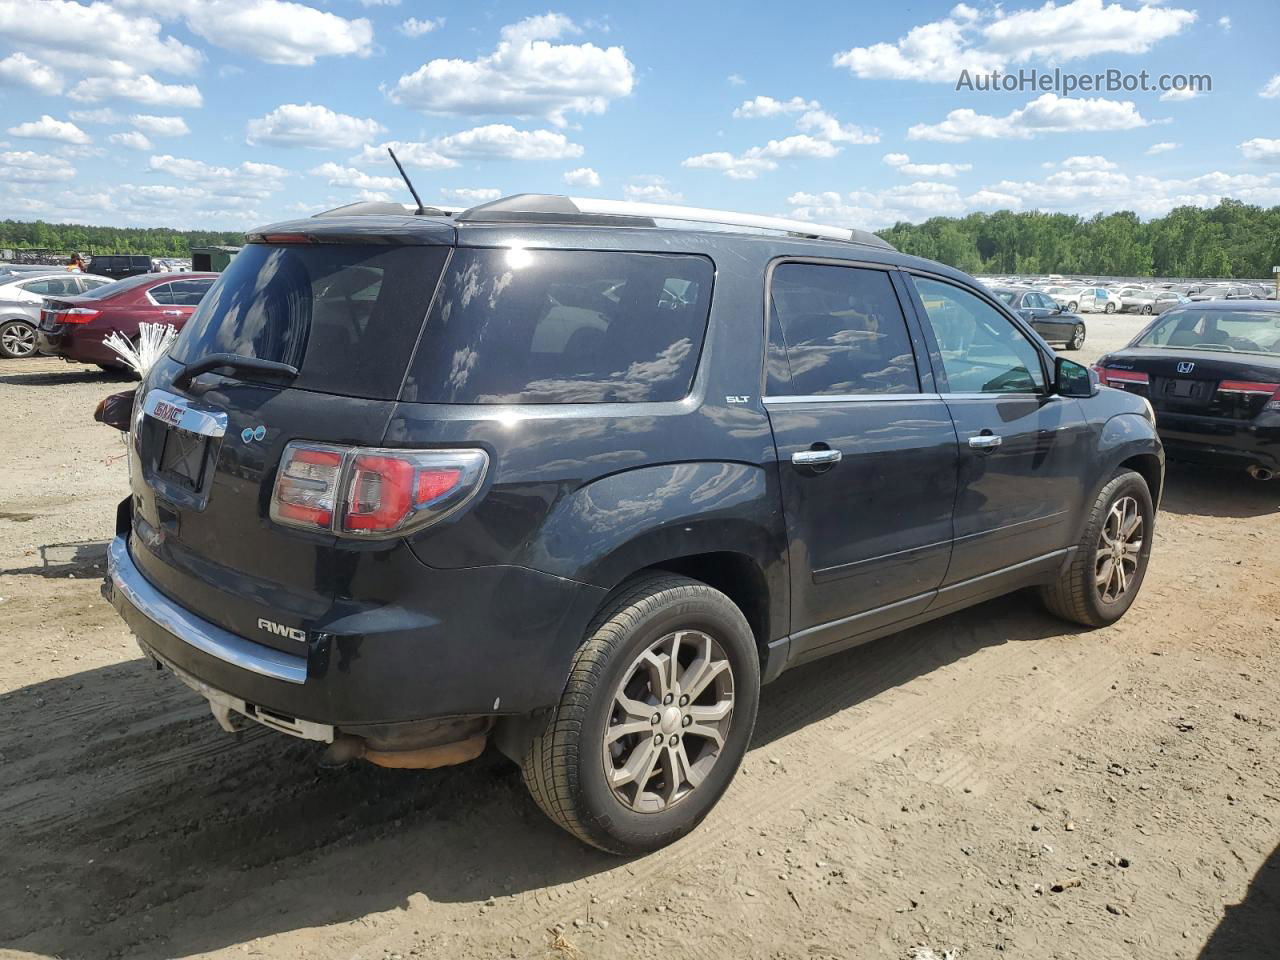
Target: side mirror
{"type": "Point", "coordinates": [1071, 379]}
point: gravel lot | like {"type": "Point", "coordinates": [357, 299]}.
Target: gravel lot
{"type": "Point", "coordinates": [998, 784]}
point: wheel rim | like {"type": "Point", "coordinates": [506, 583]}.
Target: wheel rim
{"type": "Point", "coordinates": [669, 721]}
{"type": "Point", "coordinates": [18, 339]}
{"type": "Point", "coordinates": [1077, 338]}
{"type": "Point", "coordinates": [1119, 550]}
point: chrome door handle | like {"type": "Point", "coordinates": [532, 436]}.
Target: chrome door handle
{"type": "Point", "coordinates": [985, 442]}
{"type": "Point", "coordinates": [815, 458]}
{"type": "Point", "coordinates": [172, 313]}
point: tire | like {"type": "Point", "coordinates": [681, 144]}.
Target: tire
{"type": "Point", "coordinates": [1076, 595]}
{"type": "Point", "coordinates": [565, 765]}
{"type": "Point", "coordinates": [1072, 307]}
{"type": "Point", "coordinates": [1111, 307]}
{"type": "Point", "coordinates": [1146, 309]}
{"type": "Point", "coordinates": [17, 340]}
{"type": "Point", "coordinates": [1077, 337]}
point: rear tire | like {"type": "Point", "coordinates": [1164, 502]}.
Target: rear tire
{"type": "Point", "coordinates": [17, 340]}
{"type": "Point", "coordinates": [578, 767]}
{"type": "Point", "coordinates": [1111, 308]}
{"type": "Point", "coordinates": [1077, 337]}
{"type": "Point", "coordinates": [1146, 309]}
{"type": "Point", "coordinates": [1090, 591]}
{"type": "Point", "coordinates": [1072, 307]}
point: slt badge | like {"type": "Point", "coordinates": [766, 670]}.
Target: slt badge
{"type": "Point", "coordinates": [250, 434]}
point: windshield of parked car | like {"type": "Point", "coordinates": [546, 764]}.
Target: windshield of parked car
{"type": "Point", "coordinates": [1231, 331]}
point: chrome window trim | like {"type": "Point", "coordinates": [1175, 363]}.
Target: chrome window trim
{"type": "Point", "coordinates": [207, 423]}
{"type": "Point", "coordinates": [186, 626]}
{"type": "Point", "coordinates": [849, 398]}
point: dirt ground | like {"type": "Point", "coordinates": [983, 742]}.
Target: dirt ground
{"type": "Point", "coordinates": [997, 784]}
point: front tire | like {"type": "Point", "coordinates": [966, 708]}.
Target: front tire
{"type": "Point", "coordinates": [1110, 562]}
{"type": "Point", "coordinates": [1111, 308]}
{"type": "Point", "coordinates": [17, 340]}
{"type": "Point", "coordinates": [670, 660]}
{"type": "Point", "coordinates": [1146, 309]}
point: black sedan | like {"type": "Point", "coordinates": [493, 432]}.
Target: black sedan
{"type": "Point", "coordinates": [1212, 372]}
{"type": "Point", "coordinates": [1042, 312]}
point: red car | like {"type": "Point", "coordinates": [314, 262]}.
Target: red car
{"type": "Point", "coordinates": [74, 327]}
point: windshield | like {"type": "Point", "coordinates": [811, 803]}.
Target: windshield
{"type": "Point", "coordinates": [1008, 296]}
{"type": "Point", "coordinates": [1231, 331]}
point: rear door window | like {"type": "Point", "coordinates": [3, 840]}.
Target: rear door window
{"type": "Point", "coordinates": [563, 326]}
{"type": "Point", "coordinates": [162, 293]}
{"type": "Point", "coordinates": [347, 315]}
{"type": "Point", "coordinates": [188, 293]}
{"type": "Point", "coordinates": [844, 331]}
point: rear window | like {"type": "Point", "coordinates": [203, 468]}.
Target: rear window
{"type": "Point", "coordinates": [1231, 331]}
{"type": "Point", "coordinates": [563, 326]}
{"type": "Point", "coordinates": [346, 315]}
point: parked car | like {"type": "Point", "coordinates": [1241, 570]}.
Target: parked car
{"type": "Point", "coordinates": [545, 472]}
{"type": "Point", "coordinates": [75, 327]}
{"type": "Point", "coordinates": [1152, 301]}
{"type": "Point", "coordinates": [34, 286]}
{"type": "Point", "coordinates": [1044, 314]}
{"type": "Point", "coordinates": [1212, 373]}
{"type": "Point", "coordinates": [117, 266]}
{"type": "Point", "coordinates": [18, 321]}
{"type": "Point", "coordinates": [1090, 299]}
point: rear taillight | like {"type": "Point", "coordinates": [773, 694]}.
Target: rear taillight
{"type": "Point", "coordinates": [1113, 377]}
{"type": "Point", "coordinates": [360, 492]}
{"type": "Point", "coordinates": [1253, 388]}
{"type": "Point", "coordinates": [76, 315]}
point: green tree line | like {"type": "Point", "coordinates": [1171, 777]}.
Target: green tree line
{"type": "Point", "coordinates": [81, 238]}
{"type": "Point", "coordinates": [1234, 240]}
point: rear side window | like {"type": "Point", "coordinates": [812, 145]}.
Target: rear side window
{"type": "Point", "coordinates": [188, 293]}
{"type": "Point", "coordinates": [163, 293]}
{"type": "Point", "coordinates": [563, 326]}
{"type": "Point", "coordinates": [347, 315]}
{"type": "Point", "coordinates": [843, 330]}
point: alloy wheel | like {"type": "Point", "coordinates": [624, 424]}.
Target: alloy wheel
{"type": "Point", "coordinates": [1077, 337]}
{"type": "Point", "coordinates": [1119, 550]}
{"type": "Point", "coordinates": [669, 721]}
{"type": "Point", "coordinates": [18, 340]}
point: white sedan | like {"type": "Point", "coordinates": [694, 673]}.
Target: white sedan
{"type": "Point", "coordinates": [34, 287]}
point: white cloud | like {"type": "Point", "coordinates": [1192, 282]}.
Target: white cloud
{"type": "Point", "coordinates": [872, 210]}
{"type": "Point", "coordinates": [142, 88]}
{"type": "Point", "coordinates": [471, 195]}
{"type": "Point", "coordinates": [1048, 113]}
{"type": "Point", "coordinates": [981, 42]}
{"type": "Point", "coordinates": [1225, 24]}
{"type": "Point", "coordinates": [1261, 149]}
{"type": "Point", "coordinates": [380, 3]}
{"type": "Point", "coordinates": [1092, 162]}
{"type": "Point", "coordinates": [751, 163]}
{"type": "Point", "coordinates": [411, 154]}
{"type": "Point", "coordinates": [1163, 147]}
{"type": "Point", "coordinates": [100, 115]}
{"type": "Point", "coordinates": [582, 177]}
{"type": "Point", "coordinates": [769, 107]}
{"type": "Point", "coordinates": [97, 29]}
{"type": "Point", "coordinates": [651, 189]}
{"type": "Point", "coordinates": [310, 125]}
{"type": "Point", "coordinates": [47, 128]}
{"type": "Point", "coordinates": [413, 27]}
{"type": "Point", "coordinates": [1186, 93]}
{"type": "Point", "coordinates": [133, 139]}
{"type": "Point", "coordinates": [1272, 89]}
{"type": "Point", "coordinates": [19, 70]}
{"type": "Point", "coordinates": [160, 126]}
{"type": "Point", "coordinates": [736, 80]}
{"type": "Point", "coordinates": [26, 166]}
{"type": "Point", "coordinates": [827, 127]}
{"type": "Point", "coordinates": [247, 180]}
{"type": "Point", "coordinates": [340, 176]}
{"type": "Point", "coordinates": [902, 163]}
{"type": "Point", "coordinates": [502, 140]}
{"type": "Point", "coordinates": [278, 31]}
{"type": "Point", "coordinates": [526, 75]}
{"type": "Point", "coordinates": [740, 167]}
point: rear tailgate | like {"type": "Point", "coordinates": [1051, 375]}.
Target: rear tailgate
{"type": "Point", "coordinates": [206, 454]}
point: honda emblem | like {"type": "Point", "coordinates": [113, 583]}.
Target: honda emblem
{"type": "Point", "coordinates": [1186, 366]}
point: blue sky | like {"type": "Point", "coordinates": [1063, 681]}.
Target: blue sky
{"type": "Point", "coordinates": [232, 113]}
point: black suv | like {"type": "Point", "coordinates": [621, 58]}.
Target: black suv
{"type": "Point", "coordinates": [578, 480]}
{"type": "Point", "coordinates": [117, 266]}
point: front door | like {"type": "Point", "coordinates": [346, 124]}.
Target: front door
{"type": "Point", "coordinates": [866, 454]}
{"type": "Point", "coordinates": [1023, 451]}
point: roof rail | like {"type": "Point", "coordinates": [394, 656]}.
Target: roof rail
{"type": "Point", "coordinates": [552, 208]}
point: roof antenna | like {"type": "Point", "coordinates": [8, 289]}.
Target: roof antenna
{"type": "Point", "coordinates": [407, 182]}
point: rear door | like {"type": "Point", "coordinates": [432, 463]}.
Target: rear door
{"type": "Point", "coordinates": [347, 316]}
{"type": "Point", "coordinates": [866, 453]}
{"type": "Point", "coordinates": [178, 300]}
{"type": "Point", "coordinates": [1024, 454]}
